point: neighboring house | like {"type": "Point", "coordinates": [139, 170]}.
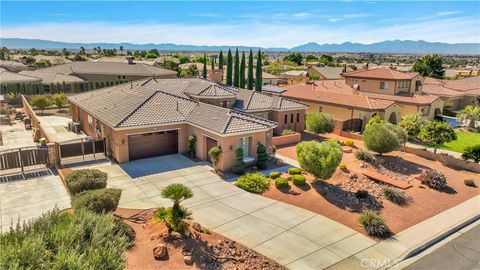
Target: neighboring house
{"type": "Point", "coordinates": [154, 117]}
{"type": "Point", "coordinates": [12, 66]}
{"type": "Point", "coordinates": [11, 82]}
{"type": "Point", "coordinates": [455, 93]}
{"type": "Point", "coordinates": [328, 73]}
{"type": "Point", "coordinates": [99, 74]}
{"type": "Point", "coordinates": [388, 93]}
{"type": "Point", "coordinates": [461, 73]}
{"type": "Point", "coordinates": [267, 78]}
{"type": "Point", "coordinates": [295, 76]}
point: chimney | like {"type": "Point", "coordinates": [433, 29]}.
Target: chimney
{"type": "Point", "coordinates": [130, 59]}
{"type": "Point", "coordinates": [215, 75]}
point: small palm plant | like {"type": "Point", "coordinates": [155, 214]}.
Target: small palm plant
{"type": "Point", "coordinates": [470, 113]}
{"type": "Point", "coordinates": [174, 216]}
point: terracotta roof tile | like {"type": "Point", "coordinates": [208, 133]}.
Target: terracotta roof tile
{"type": "Point", "coordinates": [381, 73]}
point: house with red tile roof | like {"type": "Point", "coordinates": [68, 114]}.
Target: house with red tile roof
{"type": "Point", "coordinates": [361, 94]}
{"type": "Point", "coordinates": [456, 94]}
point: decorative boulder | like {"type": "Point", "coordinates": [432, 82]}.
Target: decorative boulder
{"type": "Point", "coordinates": [160, 252]}
{"type": "Point", "coordinates": [188, 260]}
{"type": "Point", "coordinates": [197, 227]}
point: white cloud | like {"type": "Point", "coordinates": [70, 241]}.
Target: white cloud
{"type": "Point", "coordinates": [453, 30]}
{"type": "Point", "coordinates": [447, 13]}
{"type": "Point", "coordinates": [348, 16]}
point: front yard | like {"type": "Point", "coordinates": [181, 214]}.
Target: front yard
{"type": "Point", "coordinates": [337, 197]}
{"type": "Point", "coordinates": [464, 139]}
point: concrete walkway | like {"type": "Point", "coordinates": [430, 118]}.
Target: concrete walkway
{"type": "Point", "coordinates": [22, 200]}
{"type": "Point", "coordinates": [294, 237]}
{"type": "Point", "coordinates": [439, 150]}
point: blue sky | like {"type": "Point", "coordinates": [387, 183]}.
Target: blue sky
{"type": "Point", "coordinates": [266, 24]}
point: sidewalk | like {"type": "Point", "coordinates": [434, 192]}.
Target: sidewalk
{"type": "Point", "coordinates": [439, 150]}
{"type": "Point", "coordinates": [391, 251]}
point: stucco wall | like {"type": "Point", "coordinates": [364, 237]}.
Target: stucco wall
{"type": "Point", "coordinates": [372, 85]}
{"type": "Point", "coordinates": [294, 125]}
{"type": "Point", "coordinates": [105, 77]}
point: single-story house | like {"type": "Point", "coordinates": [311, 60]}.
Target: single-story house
{"type": "Point", "coordinates": [328, 73]}
{"type": "Point", "coordinates": [455, 93]}
{"type": "Point", "coordinates": [11, 82]}
{"type": "Point", "coordinates": [295, 76]}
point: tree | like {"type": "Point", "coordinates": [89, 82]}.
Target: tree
{"type": "Point", "coordinates": [82, 50]}
{"type": "Point", "coordinates": [258, 74]}
{"type": "Point", "coordinates": [229, 67]}
{"type": "Point", "coordinates": [250, 71]}
{"type": "Point", "coordinates": [326, 59]}
{"type": "Point", "coordinates": [59, 99]}
{"type": "Point", "coordinates": [40, 102]}
{"type": "Point", "coordinates": [470, 113]}
{"type": "Point", "coordinates": [401, 133]}
{"type": "Point", "coordinates": [472, 152]}
{"type": "Point", "coordinates": [191, 71]}
{"type": "Point", "coordinates": [412, 124]}
{"type": "Point", "coordinates": [311, 58]}
{"type": "Point", "coordinates": [174, 216]}
{"type": "Point", "coordinates": [295, 58]}
{"type": "Point", "coordinates": [220, 60]}
{"type": "Point", "coordinates": [214, 154]}
{"type": "Point", "coordinates": [262, 157]}
{"type": "Point", "coordinates": [121, 49]}
{"type": "Point", "coordinates": [191, 145]}
{"type": "Point", "coordinates": [239, 165]}
{"type": "Point", "coordinates": [319, 159]}
{"type": "Point", "coordinates": [318, 122]}
{"type": "Point", "coordinates": [374, 120]}
{"type": "Point", "coordinates": [236, 70]}
{"type": "Point", "coordinates": [204, 73]}
{"type": "Point", "coordinates": [78, 57]}
{"type": "Point", "coordinates": [151, 55]}
{"type": "Point", "coordinates": [212, 60]}
{"type": "Point", "coordinates": [436, 133]}
{"type": "Point", "coordinates": [429, 66]}
{"type": "Point", "coordinates": [242, 71]}
{"type": "Point", "coordinates": [380, 138]}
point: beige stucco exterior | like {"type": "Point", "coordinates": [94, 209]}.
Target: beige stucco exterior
{"type": "Point", "coordinates": [295, 120]}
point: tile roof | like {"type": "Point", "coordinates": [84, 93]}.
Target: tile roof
{"type": "Point", "coordinates": [295, 73]}
{"type": "Point", "coordinates": [12, 77]}
{"type": "Point", "coordinates": [451, 88]}
{"type": "Point", "coordinates": [249, 100]}
{"type": "Point", "coordinates": [52, 77]}
{"type": "Point", "coordinates": [330, 73]}
{"type": "Point", "coordinates": [150, 102]}
{"type": "Point", "coordinates": [381, 73]}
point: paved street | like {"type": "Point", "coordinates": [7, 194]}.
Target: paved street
{"type": "Point", "coordinates": [22, 200]}
{"type": "Point", "coordinates": [292, 236]}
{"type": "Point", "coordinates": [462, 253]}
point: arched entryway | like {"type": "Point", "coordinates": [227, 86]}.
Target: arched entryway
{"type": "Point", "coordinates": [393, 118]}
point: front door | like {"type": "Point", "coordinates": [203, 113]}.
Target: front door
{"type": "Point", "coordinates": [210, 144]}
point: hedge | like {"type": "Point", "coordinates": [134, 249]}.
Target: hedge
{"type": "Point", "coordinates": [99, 200]}
{"type": "Point", "coordinates": [281, 182]}
{"type": "Point", "coordinates": [293, 171]}
{"type": "Point", "coordinates": [299, 180]}
{"type": "Point", "coordinates": [85, 179]}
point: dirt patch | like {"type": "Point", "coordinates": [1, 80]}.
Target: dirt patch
{"type": "Point", "coordinates": [342, 207]}
{"type": "Point", "coordinates": [210, 250]}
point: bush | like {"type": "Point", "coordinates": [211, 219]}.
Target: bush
{"type": "Point", "coordinates": [191, 145]}
{"type": "Point", "coordinates": [65, 240]}
{"type": "Point", "coordinates": [334, 140]}
{"type": "Point", "coordinates": [343, 167]}
{"type": "Point", "coordinates": [274, 175]}
{"type": "Point", "coordinates": [214, 154]}
{"type": "Point", "coordinates": [281, 182]}
{"type": "Point", "coordinates": [262, 157]}
{"type": "Point", "coordinates": [253, 182]}
{"type": "Point", "coordinates": [85, 179]}
{"type": "Point", "coordinates": [375, 120]}
{"type": "Point", "coordinates": [59, 99]}
{"type": "Point", "coordinates": [436, 133]}
{"type": "Point", "coordinates": [98, 201]}
{"type": "Point", "coordinates": [380, 139]}
{"type": "Point", "coordinates": [374, 224]}
{"type": "Point", "coordinates": [40, 102]}
{"type": "Point", "coordinates": [472, 152]}
{"type": "Point", "coordinates": [239, 165]}
{"type": "Point", "coordinates": [364, 155]}
{"type": "Point", "coordinates": [349, 142]}
{"type": "Point", "coordinates": [317, 122]}
{"type": "Point", "coordinates": [361, 194]}
{"type": "Point", "coordinates": [470, 183]}
{"type": "Point", "coordinates": [174, 216]}
{"type": "Point", "coordinates": [124, 229]}
{"type": "Point", "coordinates": [288, 132]}
{"type": "Point", "coordinates": [412, 124]}
{"type": "Point", "coordinates": [294, 171]}
{"type": "Point", "coordinates": [396, 196]}
{"type": "Point", "coordinates": [319, 159]}
{"type": "Point", "coordinates": [151, 55]}
{"type": "Point", "coordinates": [433, 179]}
{"type": "Point", "coordinates": [299, 180]}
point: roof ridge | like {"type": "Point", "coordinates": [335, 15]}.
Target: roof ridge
{"type": "Point", "coordinates": [369, 103]}
{"type": "Point", "coordinates": [136, 109]}
{"type": "Point", "coordinates": [249, 98]}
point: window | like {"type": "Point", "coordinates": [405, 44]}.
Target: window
{"type": "Point", "coordinates": [244, 143]}
{"type": "Point", "coordinates": [123, 77]}
{"type": "Point", "coordinates": [286, 119]}
{"type": "Point", "coordinates": [383, 85]}
{"type": "Point", "coordinates": [119, 77]}
{"type": "Point", "coordinates": [320, 108]}
{"type": "Point", "coordinates": [298, 117]}
{"type": "Point", "coordinates": [224, 104]}
{"type": "Point", "coordinates": [291, 118]}
{"type": "Point", "coordinates": [90, 122]}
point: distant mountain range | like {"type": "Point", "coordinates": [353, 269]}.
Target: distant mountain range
{"type": "Point", "coordinates": [389, 46]}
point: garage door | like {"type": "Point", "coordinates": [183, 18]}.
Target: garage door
{"type": "Point", "coordinates": [152, 144]}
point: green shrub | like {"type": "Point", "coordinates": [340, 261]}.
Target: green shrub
{"type": "Point", "coordinates": [396, 196]}
{"type": "Point", "coordinates": [274, 175]}
{"type": "Point", "coordinates": [192, 140]}
{"type": "Point", "coordinates": [472, 152]}
{"type": "Point", "coordinates": [214, 154]}
{"type": "Point", "coordinates": [281, 182]}
{"type": "Point", "coordinates": [412, 124]}
{"type": "Point", "coordinates": [380, 138]}
{"type": "Point", "coordinates": [470, 182]}
{"type": "Point", "coordinates": [317, 122]}
{"type": "Point", "coordinates": [253, 182]}
{"type": "Point", "coordinates": [288, 132]}
{"type": "Point", "coordinates": [98, 200]}
{"type": "Point", "coordinates": [85, 179]}
{"type": "Point", "coordinates": [262, 157]}
{"type": "Point", "coordinates": [174, 216]}
{"type": "Point", "coordinates": [294, 171]}
{"type": "Point", "coordinates": [375, 120]}
{"type": "Point", "coordinates": [374, 224]}
{"type": "Point", "coordinates": [40, 102]}
{"type": "Point", "coordinates": [364, 155]}
{"type": "Point", "coordinates": [299, 180]}
{"type": "Point", "coordinates": [436, 133]}
{"type": "Point", "coordinates": [239, 166]}
{"type": "Point", "coordinates": [65, 240]}
{"type": "Point", "coordinates": [319, 159]}
{"type": "Point", "coordinates": [433, 179]}
{"type": "Point", "coordinates": [349, 142]}
{"type": "Point", "coordinates": [361, 194]}
{"type": "Point", "coordinates": [124, 229]}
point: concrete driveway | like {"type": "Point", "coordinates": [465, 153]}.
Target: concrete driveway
{"type": "Point", "coordinates": [22, 200]}
{"type": "Point", "coordinates": [294, 237]}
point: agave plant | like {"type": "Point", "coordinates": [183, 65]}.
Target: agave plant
{"type": "Point", "coordinates": [174, 216]}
